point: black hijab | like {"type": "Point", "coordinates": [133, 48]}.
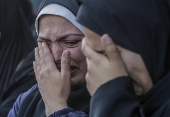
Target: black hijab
{"type": "Point", "coordinates": [141, 26]}
{"type": "Point", "coordinates": [79, 99]}
{"type": "Point", "coordinates": [16, 40]}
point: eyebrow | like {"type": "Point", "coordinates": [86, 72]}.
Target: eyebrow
{"type": "Point", "coordinates": [62, 37]}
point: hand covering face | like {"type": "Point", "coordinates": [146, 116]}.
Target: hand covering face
{"type": "Point", "coordinates": [16, 40]}
{"type": "Point", "coordinates": [79, 98]}
{"type": "Point", "coordinates": [139, 26]}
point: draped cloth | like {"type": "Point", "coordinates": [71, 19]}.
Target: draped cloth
{"type": "Point", "coordinates": [22, 80]}
{"type": "Point", "coordinates": [141, 26]}
{"type": "Point", "coordinates": [16, 40]}
{"type": "Point", "coordinates": [79, 98]}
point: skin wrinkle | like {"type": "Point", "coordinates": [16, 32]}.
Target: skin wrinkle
{"type": "Point", "coordinates": [48, 29]}
{"type": "Point", "coordinates": [133, 63]}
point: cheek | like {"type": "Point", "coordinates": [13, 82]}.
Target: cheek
{"type": "Point", "coordinates": [78, 57]}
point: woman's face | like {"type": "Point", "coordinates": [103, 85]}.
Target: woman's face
{"type": "Point", "coordinates": [61, 35]}
{"type": "Point", "coordinates": [133, 62]}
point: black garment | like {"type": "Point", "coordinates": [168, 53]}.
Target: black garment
{"type": "Point", "coordinates": [118, 100]}
{"type": "Point", "coordinates": [142, 27]}
{"type": "Point", "coordinates": [79, 99]}
{"type": "Point", "coordinates": [16, 40]}
{"type": "Point", "coordinates": [115, 99]}
{"type": "Point", "coordinates": [23, 79]}
{"type": "Point", "coordinates": [33, 105]}
{"type": "Point", "coordinates": [27, 11]}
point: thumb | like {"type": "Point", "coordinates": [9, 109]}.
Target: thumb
{"type": "Point", "coordinates": [110, 48]}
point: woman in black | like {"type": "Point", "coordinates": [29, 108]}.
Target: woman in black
{"type": "Point", "coordinates": [140, 28]}
{"type": "Point", "coordinates": [16, 42]}
{"type": "Point", "coordinates": [56, 18]}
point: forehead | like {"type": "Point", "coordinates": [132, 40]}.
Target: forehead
{"type": "Point", "coordinates": [54, 26]}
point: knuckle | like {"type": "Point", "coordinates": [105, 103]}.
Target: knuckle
{"type": "Point", "coordinates": [66, 62]}
{"type": "Point", "coordinates": [47, 70]}
{"type": "Point", "coordinates": [41, 60]}
{"type": "Point", "coordinates": [111, 48]}
{"type": "Point", "coordinates": [65, 76]}
{"type": "Point", "coordinates": [41, 75]}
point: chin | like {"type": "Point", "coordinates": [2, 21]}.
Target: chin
{"type": "Point", "coordinates": [77, 80]}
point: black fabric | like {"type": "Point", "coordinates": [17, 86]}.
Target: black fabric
{"type": "Point", "coordinates": [16, 40]}
{"type": "Point", "coordinates": [28, 11]}
{"type": "Point", "coordinates": [79, 99]}
{"type": "Point", "coordinates": [23, 79]}
{"type": "Point", "coordinates": [108, 107]}
{"type": "Point", "coordinates": [157, 101]}
{"type": "Point", "coordinates": [33, 105]}
{"type": "Point", "coordinates": [118, 100]}
{"type": "Point", "coordinates": [141, 26]}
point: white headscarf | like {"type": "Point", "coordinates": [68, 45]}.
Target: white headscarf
{"type": "Point", "coordinates": [56, 9]}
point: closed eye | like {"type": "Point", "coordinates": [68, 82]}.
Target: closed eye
{"type": "Point", "coordinates": [71, 43]}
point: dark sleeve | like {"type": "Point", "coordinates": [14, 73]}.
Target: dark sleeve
{"type": "Point", "coordinates": [15, 109]}
{"type": "Point", "coordinates": [115, 98]}
{"type": "Point", "coordinates": [68, 112]}
{"type": "Point", "coordinates": [22, 81]}
{"type": "Point", "coordinates": [163, 111]}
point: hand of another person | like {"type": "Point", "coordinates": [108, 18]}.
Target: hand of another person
{"type": "Point", "coordinates": [54, 86]}
{"type": "Point", "coordinates": [102, 67]}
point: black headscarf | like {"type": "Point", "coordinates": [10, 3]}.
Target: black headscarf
{"type": "Point", "coordinates": [16, 40]}
{"type": "Point", "coordinates": [79, 99]}
{"type": "Point", "coordinates": [142, 26]}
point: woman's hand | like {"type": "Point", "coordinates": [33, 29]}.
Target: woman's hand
{"type": "Point", "coordinates": [54, 86]}
{"type": "Point", "coordinates": [102, 67]}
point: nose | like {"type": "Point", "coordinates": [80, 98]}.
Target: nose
{"type": "Point", "coordinates": [57, 51]}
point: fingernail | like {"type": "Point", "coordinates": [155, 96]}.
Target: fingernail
{"type": "Point", "coordinates": [107, 40]}
{"type": "Point", "coordinates": [67, 54]}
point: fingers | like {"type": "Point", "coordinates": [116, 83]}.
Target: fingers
{"type": "Point", "coordinates": [109, 47]}
{"type": "Point", "coordinates": [37, 58]}
{"type": "Point", "coordinates": [35, 69]}
{"type": "Point", "coordinates": [48, 57]}
{"type": "Point", "coordinates": [41, 55]}
{"type": "Point", "coordinates": [89, 52]}
{"type": "Point", "coordinates": [65, 64]}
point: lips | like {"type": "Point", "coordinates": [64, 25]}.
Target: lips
{"type": "Point", "coordinates": [72, 69]}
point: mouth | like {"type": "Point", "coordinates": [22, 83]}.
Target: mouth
{"type": "Point", "coordinates": [73, 70]}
